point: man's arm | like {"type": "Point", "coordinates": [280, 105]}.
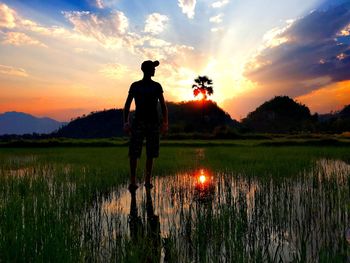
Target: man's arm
{"type": "Point", "coordinates": [164, 113]}
{"type": "Point", "coordinates": [126, 112]}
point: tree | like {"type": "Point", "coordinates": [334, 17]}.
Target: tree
{"type": "Point", "coordinates": [203, 86]}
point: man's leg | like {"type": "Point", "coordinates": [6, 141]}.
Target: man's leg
{"type": "Point", "coordinates": [133, 165]}
{"type": "Point", "coordinates": [149, 166]}
{"type": "Point", "coordinates": [135, 148]}
{"type": "Point", "coordinates": [152, 150]}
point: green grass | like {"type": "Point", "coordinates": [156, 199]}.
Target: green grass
{"type": "Point", "coordinates": [187, 141]}
{"type": "Point", "coordinates": [45, 197]}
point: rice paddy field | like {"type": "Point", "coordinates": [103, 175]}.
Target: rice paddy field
{"type": "Point", "coordinates": [209, 203]}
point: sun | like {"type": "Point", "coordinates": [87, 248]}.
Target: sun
{"type": "Point", "coordinates": [199, 97]}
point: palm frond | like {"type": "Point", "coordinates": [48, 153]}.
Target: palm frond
{"type": "Point", "coordinates": [210, 90]}
{"type": "Point", "coordinates": [198, 80]}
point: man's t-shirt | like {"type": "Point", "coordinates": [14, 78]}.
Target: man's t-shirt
{"type": "Point", "coordinates": [146, 94]}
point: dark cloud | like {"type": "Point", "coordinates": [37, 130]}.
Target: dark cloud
{"type": "Point", "coordinates": [314, 51]}
{"type": "Point", "coordinates": [320, 25]}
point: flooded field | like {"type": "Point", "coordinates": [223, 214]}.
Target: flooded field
{"type": "Point", "coordinates": [218, 204]}
{"type": "Point", "coordinates": [203, 216]}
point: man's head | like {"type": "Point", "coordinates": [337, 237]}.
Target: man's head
{"type": "Point", "coordinates": [148, 67]}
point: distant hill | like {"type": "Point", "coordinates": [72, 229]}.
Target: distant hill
{"type": "Point", "coordinates": [335, 122]}
{"type": "Point", "coordinates": [198, 116]}
{"type": "Point", "coordinates": [184, 117]}
{"type": "Point", "coordinates": [102, 124]}
{"type": "Point", "coordinates": [20, 123]}
{"type": "Point", "coordinates": [280, 115]}
{"type": "Point", "coordinates": [345, 113]}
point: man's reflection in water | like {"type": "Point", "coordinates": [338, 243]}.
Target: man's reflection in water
{"type": "Point", "coordinates": [153, 226]}
{"type": "Point", "coordinates": [135, 222]}
{"type": "Point", "coordinates": [150, 237]}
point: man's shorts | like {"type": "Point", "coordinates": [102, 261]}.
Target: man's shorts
{"type": "Point", "coordinates": [140, 131]}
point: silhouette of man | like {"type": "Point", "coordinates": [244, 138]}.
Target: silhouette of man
{"type": "Point", "coordinates": [146, 124]}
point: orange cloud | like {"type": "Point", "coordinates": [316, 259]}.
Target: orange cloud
{"type": "Point", "coordinates": [330, 98]}
{"type": "Point", "coordinates": [96, 26]}
{"type": "Point", "coordinates": [8, 70]}
{"type": "Point", "coordinates": [114, 71]}
{"type": "Point", "coordinates": [10, 19]}
{"type": "Point", "coordinates": [21, 39]}
{"type": "Point", "coordinates": [345, 31]}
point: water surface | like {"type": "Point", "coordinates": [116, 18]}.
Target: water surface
{"type": "Point", "coordinates": [221, 216]}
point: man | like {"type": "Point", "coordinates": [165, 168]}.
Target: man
{"type": "Point", "coordinates": [146, 93]}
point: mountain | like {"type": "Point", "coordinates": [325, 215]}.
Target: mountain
{"type": "Point", "coordinates": [198, 116]}
{"type": "Point", "coordinates": [184, 117]}
{"type": "Point", "coordinates": [345, 113]}
{"type": "Point", "coordinates": [280, 115]}
{"type": "Point", "coordinates": [335, 122]}
{"type": "Point", "coordinates": [102, 124]}
{"type": "Point", "coordinates": [21, 123]}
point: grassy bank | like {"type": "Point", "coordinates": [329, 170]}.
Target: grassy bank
{"type": "Point", "coordinates": [191, 140]}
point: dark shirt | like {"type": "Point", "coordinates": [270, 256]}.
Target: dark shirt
{"type": "Point", "coordinates": [146, 94]}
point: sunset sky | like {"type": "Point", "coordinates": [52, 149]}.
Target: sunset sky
{"type": "Point", "coordinates": [62, 59]}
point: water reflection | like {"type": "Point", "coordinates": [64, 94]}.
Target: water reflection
{"type": "Point", "coordinates": [204, 186]}
{"type": "Point", "coordinates": [135, 222]}
{"type": "Point", "coordinates": [150, 234]}
{"type": "Point", "coordinates": [208, 216]}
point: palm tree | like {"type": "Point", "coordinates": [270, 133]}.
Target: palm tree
{"type": "Point", "coordinates": [203, 86]}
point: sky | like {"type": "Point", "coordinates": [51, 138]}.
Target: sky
{"type": "Point", "coordinates": [63, 59]}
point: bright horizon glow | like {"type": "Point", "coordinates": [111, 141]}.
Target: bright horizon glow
{"type": "Point", "coordinates": [80, 56]}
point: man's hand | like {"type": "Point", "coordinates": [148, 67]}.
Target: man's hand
{"type": "Point", "coordinates": [127, 128]}
{"type": "Point", "coordinates": [164, 128]}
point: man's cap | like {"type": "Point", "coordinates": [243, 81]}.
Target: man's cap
{"type": "Point", "coordinates": [148, 64]}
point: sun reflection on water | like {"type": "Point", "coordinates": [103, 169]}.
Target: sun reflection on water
{"type": "Point", "coordinates": [203, 179]}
